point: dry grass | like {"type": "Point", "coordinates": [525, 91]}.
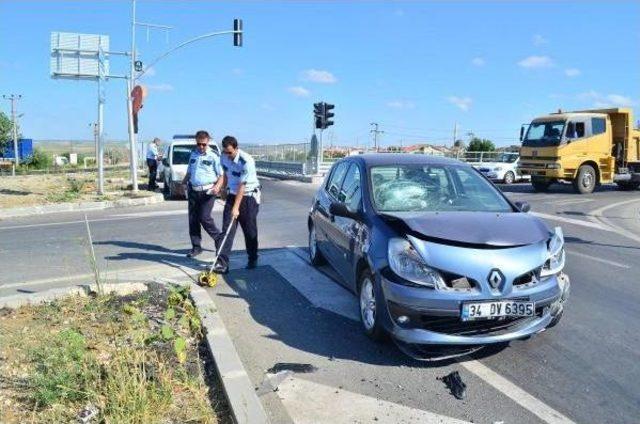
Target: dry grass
{"type": "Point", "coordinates": [137, 359]}
{"type": "Point", "coordinates": [32, 190]}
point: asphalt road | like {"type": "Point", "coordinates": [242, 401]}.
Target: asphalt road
{"type": "Point", "coordinates": [584, 370]}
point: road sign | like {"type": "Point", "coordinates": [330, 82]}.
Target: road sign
{"type": "Point", "coordinates": [138, 65]}
{"type": "Point", "coordinates": [79, 56]}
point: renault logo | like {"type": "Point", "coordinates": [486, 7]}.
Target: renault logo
{"type": "Point", "coordinates": [495, 278]}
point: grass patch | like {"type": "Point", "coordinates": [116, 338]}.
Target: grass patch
{"type": "Point", "coordinates": [134, 359]}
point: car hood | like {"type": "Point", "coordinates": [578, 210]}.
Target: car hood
{"type": "Point", "coordinates": [472, 229]}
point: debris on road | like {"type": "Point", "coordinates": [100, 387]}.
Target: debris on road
{"type": "Point", "coordinates": [455, 384]}
{"type": "Point", "coordinates": [291, 366]}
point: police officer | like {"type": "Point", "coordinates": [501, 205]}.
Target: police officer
{"type": "Point", "coordinates": [204, 182]}
{"type": "Point", "coordinates": [243, 201]}
{"type": "Point", "coordinates": [153, 156]}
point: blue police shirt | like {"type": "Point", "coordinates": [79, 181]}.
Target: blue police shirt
{"type": "Point", "coordinates": [240, 170]}
{"type": "Point", "coordinates": [204, 168]}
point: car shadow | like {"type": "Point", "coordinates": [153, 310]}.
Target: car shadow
{"type": "Point", "coordinates": [293, 320]}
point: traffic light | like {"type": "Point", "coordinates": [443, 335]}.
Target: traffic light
{"type": "Point", "coordinates": [318, 115]}
{"type": "Point", "coordinates": [237, 34]}
{"type": "Point", "coordinates": [327, 115]}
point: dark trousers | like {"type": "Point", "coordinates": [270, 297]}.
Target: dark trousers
{"type": "Point", "coordinates": [248, 222]}
{"type": "Point", "coordinates": [200, 207]}
{"type": "Point", "coordinates": [153, 169]}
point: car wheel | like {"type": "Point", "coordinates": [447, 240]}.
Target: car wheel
{"type": "Point", "coordinates": [165, 188]}
{"type": "Point", "coordinates": [370, 307]}
{"type": "Point", "coordinates": [585, 181]}
{"type": "Point", "coordinates": [628, 185]}
{"type": "Point", "coordinates": [509, 178]}
{"type": "Point", "coordinates": [540, 185]}
{"type": "Point", "coordinates": [315, 257]}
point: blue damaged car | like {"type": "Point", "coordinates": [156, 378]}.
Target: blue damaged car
{"type": "Point", "coordinates": [438, 257]}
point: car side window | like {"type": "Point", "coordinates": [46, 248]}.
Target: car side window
{"type": "Point", "coordinates": [350, 193]}
{"type": "Point", "coordinates": [335, 181]}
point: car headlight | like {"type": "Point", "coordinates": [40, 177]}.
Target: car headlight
{"type": "Point", "coordinates": [555, 261]}
{"type": "Point", "coordinates": [406, 262]}
{"type": "Point", "coordinates": [497, 168]}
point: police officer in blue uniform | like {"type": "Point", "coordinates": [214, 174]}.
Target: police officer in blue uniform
{"type": "Point", "coordinates": [153, 156]}
{"type": "Point", "coordinates": [204, 181]}
{"type": "Point", "coordinates": [243, 201]}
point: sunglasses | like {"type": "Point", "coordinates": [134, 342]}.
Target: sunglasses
{"type": "Point", "coordinates": [201, 144]}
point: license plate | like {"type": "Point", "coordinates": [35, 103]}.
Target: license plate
{"type": "Point", "coordinates": [504, 308]}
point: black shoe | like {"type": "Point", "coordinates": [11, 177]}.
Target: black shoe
{"type": "Point", "coordinates": [221, 267]}
{"type": "Point", "coordinates": [252, 263]}
{"type": "Point", "coordinates": [194, 252]}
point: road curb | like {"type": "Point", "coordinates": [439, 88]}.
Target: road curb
{"type": "Point", "coordinates": [80, 206]}
{"type": "Point", "coordinates": [246, 407]}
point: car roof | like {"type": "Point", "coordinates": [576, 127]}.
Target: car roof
{"type": "Point", "coordinates": [381, 159]}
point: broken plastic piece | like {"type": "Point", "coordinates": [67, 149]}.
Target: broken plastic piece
{"type": "Point", "coordinates": [455, 384]}
{"type": "Point", "coordinates": [290, 366]}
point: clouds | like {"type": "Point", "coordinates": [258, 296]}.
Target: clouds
{"type": "Point", "coordinates": [462, 103]}
{"type": "Point", "coordinates": [572, 72]}
{"type": "Point", "coordinates": [536, 62]}
{"type": "Point", "coordinates": [608, 100]}
{"type": "Point", "coordinates": [163, 87]}
{"type": "Point", "coordinates": [299, 91]}
{"type": "Point", "coordinates": [401, 104]}
{"type": "Point", "coordinates": [478, 61]}
{"type": "Point", "coordinates": [539, 40]}
{"type": "Point", "coordinates": [318, 76]}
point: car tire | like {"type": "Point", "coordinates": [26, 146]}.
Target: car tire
{"type": "Point", "coordinates": [509, 178]}
{"type": "Point", "coordinates": [628, 185]}
{"type": "Point", "coordinates": [165, 188]}
{"type": "Point", "coordinates": [315, 256]}
{"type": "Point", "coordinates": [370, 304]}
{"type": "Point", "coordinates": [540, 185]}
{"type": "Point", "coordinates": [586, 180]}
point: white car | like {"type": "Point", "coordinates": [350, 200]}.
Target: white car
{"type": "Point", "coordinates": [504, 169]}
{"type": "Point", "coordinates": [174, 165]}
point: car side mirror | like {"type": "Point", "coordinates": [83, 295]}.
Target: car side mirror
{"type": "Point", "coordinates": [521, 132]}
{"type": "Point", "coordinates": [340, 209]}
{"type": "Point", "coordinates": [523, 206]}
{"type": "Point", "coordinates": [165, 162]}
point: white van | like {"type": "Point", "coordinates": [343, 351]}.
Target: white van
{"type": "Point", "coordinates": [175, 162]}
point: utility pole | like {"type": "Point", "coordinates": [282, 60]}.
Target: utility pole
{"type": "Point", "coordinates": [132, 136]}
{"type": "Point", "coordinates": [455, 133]}
{"type": "Point", "coordinates": [375, 132]}
{"type": "Point", "coordinates": [13, 98]}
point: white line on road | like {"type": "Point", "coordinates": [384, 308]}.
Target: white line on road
{"type": "Point", "coordinates": [593, 258]}
{"type": "Point", "coordinates": [572, 221]}
{"type": "Point", "coordinates": [569, 202]}
{"type": "Point", "coordinates": [597, 215]}
{"type": "Point", "coordinates": [308, 402]}
{"type": "Point", "coordinates": [522, 398]}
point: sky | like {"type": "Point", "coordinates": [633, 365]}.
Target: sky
{"type": "Point", "coordinates": [417, 68]}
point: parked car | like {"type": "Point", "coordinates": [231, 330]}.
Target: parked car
{"type": "Point", "coordinates": [174, 164]}
{"type": "Point", "coordinates": [436, 254]}
{"type": "Point", "coordinates": [503, 169]}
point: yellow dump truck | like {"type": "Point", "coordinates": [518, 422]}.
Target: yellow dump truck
{"type": "Point", "coordinates": [587, 148]}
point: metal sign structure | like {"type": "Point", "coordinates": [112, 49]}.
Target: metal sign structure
{"type": "Point", "coordinates": [79, 56]}
{"type": "Point", "coordinates": [84, 57]}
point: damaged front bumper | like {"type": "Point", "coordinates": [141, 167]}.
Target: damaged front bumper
{"type": "Point", "coordinates": [434, 318]}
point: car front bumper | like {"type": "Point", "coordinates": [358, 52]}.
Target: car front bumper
{"type": "Point", "coordinates": [426, 306]}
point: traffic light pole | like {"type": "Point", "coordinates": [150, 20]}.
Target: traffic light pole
{"type": "Point", "coordinates": [133, 157]}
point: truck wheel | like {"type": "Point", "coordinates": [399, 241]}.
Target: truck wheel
{"type": "Point", "coordinates": [628, 185]}
{"type": "Point", "coordinates": [540, 185]}
{"type": "Point", "coordinates": [585, 181]}
{"type": "Point", "coordinates": [509, 178]}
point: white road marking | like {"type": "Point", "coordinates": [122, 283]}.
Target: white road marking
{"type": "Point", "coordinates": [593, 258]}
{"type": "Point", "coordinates": [308, 402]}
{"type": "Point", "coordinates": [572, 221]}
{"type": "Point", "coordinates": [522, 398]}
{"type": "Point", "coordinates": [597, 215]}
{"type": "Point", "coordinates": [152, 213]}
{"type": "Point", "coordinates": [569, 202]}
{"type": "Point", "coordinates": [335, 299]}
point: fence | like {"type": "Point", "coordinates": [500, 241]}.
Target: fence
{"type": "Point", "coordinates": [290, 152]}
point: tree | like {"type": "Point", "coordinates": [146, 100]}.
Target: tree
{"type": "Point", "coordinates": [5, 130]}
{"type": "Point", "coordinates": [481, 145]}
